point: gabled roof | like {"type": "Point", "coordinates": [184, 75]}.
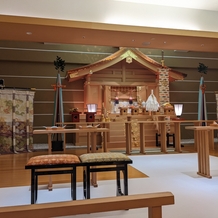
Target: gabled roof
{"type": "Point", "coordinates": [118, 56]}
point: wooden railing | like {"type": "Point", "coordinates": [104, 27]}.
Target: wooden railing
{"type": "Point", "coordinates": [154, 202]}
{"type": "Point", "coordinates": [143, 128]}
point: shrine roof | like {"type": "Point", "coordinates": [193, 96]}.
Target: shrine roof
{"type": "Point", "coordinates": [123, 53]}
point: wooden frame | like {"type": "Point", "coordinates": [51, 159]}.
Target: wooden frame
{"type": "Point", "coordinates": [108, 166]}
{"type": "Point", "coordinates": [154, 202]}
{"type": "Point", "coordinates": [39, 170]}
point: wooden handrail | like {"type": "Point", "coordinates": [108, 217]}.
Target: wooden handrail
{"type": "Point", "coordinates": [154, 202]}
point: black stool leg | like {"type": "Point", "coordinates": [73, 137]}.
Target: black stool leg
{"type": "Point", "coordinates": [88, 182]}
{"type": "Point", "coordinates": [32, 186]}
{"type": "Point", "coordinates": [36, 188]}
{"type": "Point", "coordinates": [84, 183]}
{"type": "Point", "coordinates": [73, 184]}
{"type": "Point", "coordinates": [119, 192]}
{"type": "Point", "coordinates": [125, 179]}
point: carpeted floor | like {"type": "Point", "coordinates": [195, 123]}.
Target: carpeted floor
{"type": "Point", "coordinates": [195, 196]}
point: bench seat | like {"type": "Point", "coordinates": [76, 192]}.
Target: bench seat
{"type": "Point", "coordinates": [67, 164]}
{"type": "Point", "coordinates": [45, 164]}
{"type": "Point", "coordinates": [108, 162]}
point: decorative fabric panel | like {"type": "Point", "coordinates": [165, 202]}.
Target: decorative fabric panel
{"type": "Point", "coordinates": [16, 120]}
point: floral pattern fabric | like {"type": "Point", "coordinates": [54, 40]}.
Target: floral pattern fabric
{"type": "Point", "coordinates": [53, 159]}
{"type": "Point", "coordinates": [103, 157]}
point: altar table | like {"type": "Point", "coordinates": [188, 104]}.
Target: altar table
{"type": "Point", "coordinates": [90, 132]}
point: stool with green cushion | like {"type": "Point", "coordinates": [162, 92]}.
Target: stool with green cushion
{"type": "Point", "coordinates": [45, 165]}
{"type": "Point", "coordinates": [101, 162]}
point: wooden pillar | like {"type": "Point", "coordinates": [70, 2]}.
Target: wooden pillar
{"type": "Point", "coordinates": [128, 136]}
{"type": "Point", "coordinates": [164, 85]}
{"type": "Point", "coordinates": [164, 95]}
{"type": "Point", "coordinates": [177, 136]}
{"type": "Point", "coordinates": [203, 153]}
{"type": "Point", "coordinates": [92, 94]}
{"type": "Point", "coordinates": [87, 92]}
{"type": "Point", "coordinates": [142, 138]}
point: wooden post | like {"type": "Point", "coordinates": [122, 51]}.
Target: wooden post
{"type": "Point", "coordinates": [163, 137]}
{"type": "Point", "coordinates": [128, 137]}
{"type": "Point", "coordinates": [177, 136]}
{"type": "Point", "coordinates": [154, 212]}
{"type": "Point", "coordinates": [202, 142]}
{"type": "Point", "coordinates": [142, 139]}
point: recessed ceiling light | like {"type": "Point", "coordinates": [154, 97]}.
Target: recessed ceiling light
{"type": "Point", "coordinates": [133, 40]}
{"type": "Point", "coordinates": [29, 33]}
{"type": "Point", "coordinates": [165, 42]}
{"type": "Point", "coordinates": [202, 45]}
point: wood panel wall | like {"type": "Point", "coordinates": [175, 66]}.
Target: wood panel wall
{"type": "Point", "coordinates": [30, 65]}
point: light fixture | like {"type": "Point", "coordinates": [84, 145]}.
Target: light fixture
{"type": "Point", "coordinates": [178, 109]}
{"type": "Point", "coordinates": [92, 108]}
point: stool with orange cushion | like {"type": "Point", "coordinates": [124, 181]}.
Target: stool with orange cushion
{"type": "Point", "coordinates": [45, 165]}
{"type": "Point", "coordinates": [105, 162]}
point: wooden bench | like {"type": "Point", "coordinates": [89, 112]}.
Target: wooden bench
{"type": "Point", "coordinates": [106, 161]}
{"type": "Point", "coordinates": [153, 201]}
{"type": "Point", "coordinates": [45, 165]}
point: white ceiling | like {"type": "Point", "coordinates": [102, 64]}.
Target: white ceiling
{"type": "Point", "coordinates": [189, 25]}
{"type": "Point", "coordinates": [173, 14]}
{"type": "Point", "coordinates": [211, 5]}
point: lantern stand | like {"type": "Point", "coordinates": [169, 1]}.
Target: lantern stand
{"type": "Point", "coordinates": [75, 116]}
{"type": "Point", "coordinates": [178, 111]}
